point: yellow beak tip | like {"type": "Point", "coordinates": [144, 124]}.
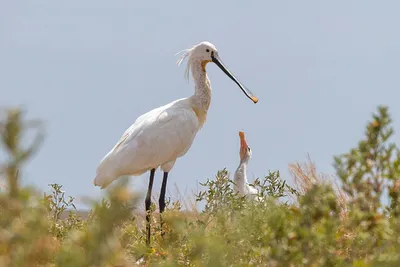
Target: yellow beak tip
{"type": "Point", "coordinates": [255, 99]}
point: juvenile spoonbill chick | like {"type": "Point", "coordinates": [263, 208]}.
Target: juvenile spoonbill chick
{"type": "Point", "coordinates": [240, 177]}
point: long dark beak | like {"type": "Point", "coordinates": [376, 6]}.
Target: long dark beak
{"type": "Point", "coordinates": [215, 58]}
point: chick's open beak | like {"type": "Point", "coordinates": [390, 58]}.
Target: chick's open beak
{"type": "Point", "coordinates": [243, 145]}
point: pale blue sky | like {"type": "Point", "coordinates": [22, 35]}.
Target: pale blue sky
{"type": "Point", "coordinates": [90, 68]}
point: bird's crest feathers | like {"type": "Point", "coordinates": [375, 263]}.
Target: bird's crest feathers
{"type": "Point", "coordinates": [186, 53]}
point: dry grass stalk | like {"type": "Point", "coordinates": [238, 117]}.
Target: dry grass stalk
{"type": "Point", "coordinates": [305, 175]}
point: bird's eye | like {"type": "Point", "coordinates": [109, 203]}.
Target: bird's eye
{"type": "Point", "coordinates": [208, 50]}
{"type": "Point", "coordinates": [249, 149]}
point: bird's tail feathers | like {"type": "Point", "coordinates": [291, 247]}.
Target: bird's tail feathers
{"type": "Point", "coordinates": [103, 180]}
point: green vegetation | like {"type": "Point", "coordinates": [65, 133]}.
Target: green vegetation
{"type": "Point", "coordinates": [316, 223]}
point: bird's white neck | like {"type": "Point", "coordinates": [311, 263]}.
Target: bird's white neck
{"type": "Point", "coordinates": [201, 99]}
{"type": "Point", "coordinates": [240, 178]}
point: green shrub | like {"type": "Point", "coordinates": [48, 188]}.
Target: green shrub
{"type": "Point", "coordinates": [354, 224]}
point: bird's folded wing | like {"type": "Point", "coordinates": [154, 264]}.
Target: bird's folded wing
{"type": "Point", "coordinates": [157, 139]}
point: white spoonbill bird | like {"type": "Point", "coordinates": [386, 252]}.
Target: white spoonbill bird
{"type": "Point", "coordinates": [240, 177]}
{"type": "Point", "coordinates": [160, 136]}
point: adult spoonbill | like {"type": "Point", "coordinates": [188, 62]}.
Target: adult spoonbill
{"type": "Point", "coordinates": [240, 177]}
{"type": "Point", "coordinates": [160, 136]}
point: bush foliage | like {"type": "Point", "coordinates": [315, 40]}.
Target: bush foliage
{"type": "Point", "coordinates": [350, 219]}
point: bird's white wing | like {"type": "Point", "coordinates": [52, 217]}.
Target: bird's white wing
{"type": "Point", "coordinates": [151, 141]}
{"type": "Point", "coordinates": [145, 116]}
{"type": "Point", "coordinates": [157, 111]}
{"type": "Point", "coordinates": [148, 115]}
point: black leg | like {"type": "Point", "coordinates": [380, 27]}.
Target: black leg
{"type": "Point", "coordinates": [147, 204]}
{"type": "Point", "coordinates": [161, 200]}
